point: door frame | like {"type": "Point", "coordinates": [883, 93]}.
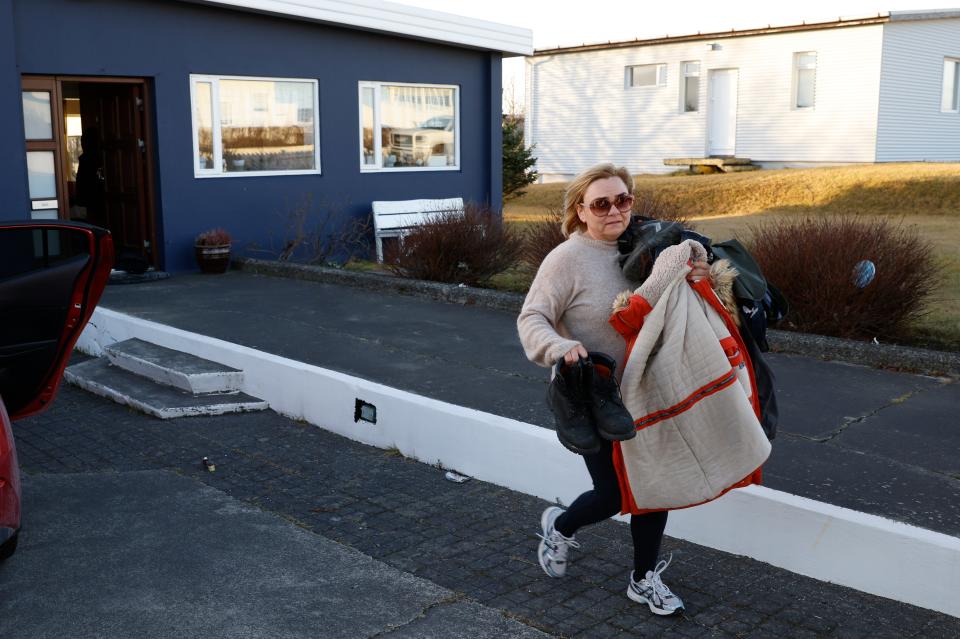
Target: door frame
{"type": "Point", "coordinates": [148, 196]}
{"type": "Point", "coordinates": [711, 73]}
{"type": "Point", "coordinates": [56, 145]}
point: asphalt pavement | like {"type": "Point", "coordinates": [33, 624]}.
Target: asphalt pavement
{"type": "Point", "coordinates": [301, 533]}
{"type": "Point", "coordinates": [872, 440]}
{"type": "Point", "coordinates": [154, 554]}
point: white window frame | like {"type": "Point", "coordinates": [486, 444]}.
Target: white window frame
{"type": "Point", "coordinates": [683, 84]}
{"type": "Point", "coordinates": [796, 80]}
{"type": "Point", "coordinates": [661, 76]}
{"type": "Point", "coordinates": [956, 85]}
{"type": "Point", "coordinates": [378, 136]}
{"type": "Point", "coordinates": [217, 170]}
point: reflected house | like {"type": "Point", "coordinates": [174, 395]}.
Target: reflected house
{"type": "Point", "coordinates": [884, 88]}
{"type": "Point", "coordinates": [418, 124]}
{"type": "Point", "coordinates": [228, 114]}
{"type": "Point", "coordinates": [265, 125]}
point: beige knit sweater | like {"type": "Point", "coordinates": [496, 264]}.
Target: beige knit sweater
{"type": "Point", "coordinates": [570, 299]}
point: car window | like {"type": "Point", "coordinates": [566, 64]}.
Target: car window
{"type": "Point", "coordinates": [30, 249]}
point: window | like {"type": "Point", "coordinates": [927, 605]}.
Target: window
{"type": "Point", "coordinates": [950, 100]}
{"type": "Point", "coordinates": [409, 127]}
{"type": "Point", "coordinates": [805, 79]}
{"type": "Point", "coordinates": [690, 86]}
{"type": "Point", "coordinates": [254, 126]}
{"type": "Point", "coordinates": [647, 75]}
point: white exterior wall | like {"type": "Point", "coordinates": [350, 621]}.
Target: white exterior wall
{"type": "Point", "coordinates": [580, 113]}
{"type": "Point", "coordinates": [911, 126]}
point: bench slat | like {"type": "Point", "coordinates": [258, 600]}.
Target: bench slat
{"type": "Point", "coordinates": [393, 218]}
{"type": "Point", "coordinates": [401, 220]}
{"type": "Point", "coordinates": [416, 206]}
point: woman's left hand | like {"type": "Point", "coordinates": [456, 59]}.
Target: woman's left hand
{"type": "Point", "coordinates": [700, 270]}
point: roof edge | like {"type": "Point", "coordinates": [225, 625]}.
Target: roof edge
{"type": "Point", "coordinates": [925, 14]}
{"type": "Point", "coordinates": [395, 19]}
{"type": "Point", "coordinates": [716, 35]}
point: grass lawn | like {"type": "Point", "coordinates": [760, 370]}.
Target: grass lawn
{"type": "Point", "coordinates": [725, 206]}
{"type": "Point", "coordinates": [884, 189]}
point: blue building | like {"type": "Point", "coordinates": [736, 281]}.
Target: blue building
{"type": "Point", "coordinates": [159, 119]}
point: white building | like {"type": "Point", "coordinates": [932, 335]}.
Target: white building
{"type": "Point", "coordinates": [880, 89]}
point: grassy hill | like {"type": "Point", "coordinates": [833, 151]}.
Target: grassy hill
{"type": "Point", "coordinates": [724, 206]}
{"type": "Point", "coordinates": [885, 189]}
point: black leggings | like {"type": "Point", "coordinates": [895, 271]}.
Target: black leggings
{"type": "Point", "coordinates": [603, 502]}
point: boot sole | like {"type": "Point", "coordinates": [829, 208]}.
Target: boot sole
{"type": "Point", "coordinates": [616, 437]}
{"type": "Point", "coordinates": [577, 450]}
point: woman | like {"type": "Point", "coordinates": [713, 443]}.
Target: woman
{"type": "Point", "coordinates": [566, 314]}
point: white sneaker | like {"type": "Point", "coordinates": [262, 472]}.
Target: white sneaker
{"type": "Point", "coordinates": [653, 592]}
{"type": "Point", "coordinates": [554, 547]}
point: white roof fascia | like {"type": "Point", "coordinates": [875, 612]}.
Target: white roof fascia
{"type": "Point", "coordinates": [396, 19]}
{"type": "Point", "coordinates": [925, 14]}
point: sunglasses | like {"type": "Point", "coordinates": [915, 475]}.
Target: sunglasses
{"type": "Point", "coordinates": [601, 206]}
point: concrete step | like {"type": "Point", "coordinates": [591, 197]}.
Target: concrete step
{"type": "Point", "coordinates": [174, 368]}
{"type": "Point", "coordinates": [101, 378]}
{"type": "Point", "coordinates": [739, 168]}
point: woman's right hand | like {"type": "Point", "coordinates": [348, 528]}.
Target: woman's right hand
{"type": "Point", "coordinates": [574, 354]}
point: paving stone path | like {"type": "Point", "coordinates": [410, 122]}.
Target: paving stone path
{"type": "Point", "coordinates": [476, 539]}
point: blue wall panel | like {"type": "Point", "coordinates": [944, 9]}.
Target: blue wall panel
{"type": "Point", "coordinates": [167, 41]}
{"type": "Point", "coordinates": [14, 197]}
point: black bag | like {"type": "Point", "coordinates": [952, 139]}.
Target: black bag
{"type": "Point", "coordinates": [766, 382]}
{"type": "Point", "coordinates": [760, 302]}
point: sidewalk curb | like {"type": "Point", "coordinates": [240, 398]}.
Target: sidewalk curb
{"type": "Point", "coordinates": [889, 356]}
{"type": "Point", "coordinates": [866, 552]}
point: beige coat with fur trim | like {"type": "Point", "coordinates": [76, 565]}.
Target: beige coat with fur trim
{"type": "Point", "coordinates": [688, 386]}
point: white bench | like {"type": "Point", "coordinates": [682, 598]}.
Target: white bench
{"type": "Point", "coordinates": [396, 218]}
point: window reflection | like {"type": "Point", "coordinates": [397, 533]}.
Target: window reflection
{"type": "Point", "coordinates": [366, 109]}
{"type": "Point", "coordinates": [266, 125]}
{"type": "Point", "coordinates": [418, 126]}
{"type": "Point", "coordinates": [203, 116]}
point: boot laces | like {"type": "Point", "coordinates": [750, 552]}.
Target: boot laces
{"type": "Point", "coordinates": [658, 586]}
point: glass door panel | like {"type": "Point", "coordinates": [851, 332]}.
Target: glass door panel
{"type": "Point", "coordinates": [43, 132]}
{"type": "Point", "coordinates": [42, 178]}
{"type": "Point", "coordinates": [37, 115]}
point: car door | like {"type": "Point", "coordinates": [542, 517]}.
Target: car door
{"type": "Point", "coordinates": [51, 277]}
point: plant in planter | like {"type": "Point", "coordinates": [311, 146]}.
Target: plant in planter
{"type": "Point", "coordinates": [212, 249]}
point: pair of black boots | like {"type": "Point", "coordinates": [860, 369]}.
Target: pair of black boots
{"type": "Point", "coordinates": [586, 404]}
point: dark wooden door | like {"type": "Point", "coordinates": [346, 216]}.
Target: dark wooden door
{"type": "Point", "coordinates": [116, 112]}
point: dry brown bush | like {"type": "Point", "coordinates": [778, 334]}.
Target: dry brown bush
{"type": "Point", "coordinates": [468, 247]}
{"type": "Point", "coordinates": [541, 237]}
{"type": "Point", "coordinates": [653, 205]}
{"type": "Point", "coordinates": [811, 260]}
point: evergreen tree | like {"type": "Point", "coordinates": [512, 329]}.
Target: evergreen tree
{"type": "Point", "coordinates": [518, 160]}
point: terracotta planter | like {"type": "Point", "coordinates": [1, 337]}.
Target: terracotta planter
{"type": "Point", "coordinates": [213, 259]}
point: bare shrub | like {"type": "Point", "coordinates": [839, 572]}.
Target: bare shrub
{"type": "Point", "coordinates": [320, 234]}
{"type": "Point", "coordinates": [468, 247]}
{"type": "Point", "coordinates": [653, 205]}
{"type": "Point", "coordinates": [541, 237]}
{"type": "Point", "coordinates": [812, 260]}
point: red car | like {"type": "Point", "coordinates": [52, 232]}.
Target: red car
{"type": "Point", "coordinates": [51, 277]}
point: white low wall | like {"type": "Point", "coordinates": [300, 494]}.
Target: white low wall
{"type": "Point", "coordinates": [853, 549]}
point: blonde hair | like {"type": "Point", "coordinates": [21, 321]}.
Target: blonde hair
{"type": "Point", "coordinates": [575, 191]}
